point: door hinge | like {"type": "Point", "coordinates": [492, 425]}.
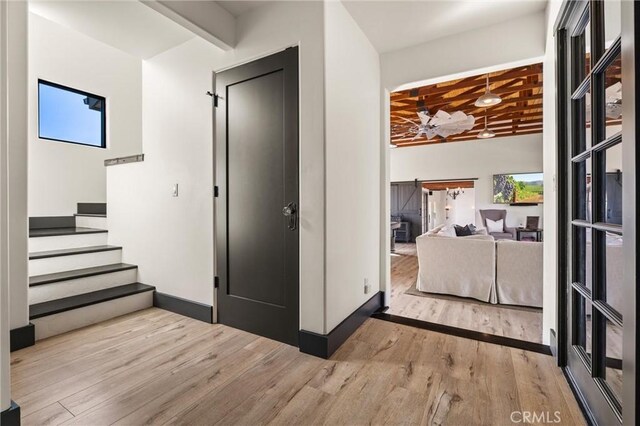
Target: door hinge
{"type": "Point", "coordinates": [215, 97]}
{"type": "Point", "coordinates": [216, 192]}
{"type": "Point", "coordinates": [216, 282]}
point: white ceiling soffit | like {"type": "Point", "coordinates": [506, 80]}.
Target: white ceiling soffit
{"type": "Point", "coordinates": [394, 25]}
{"type": "Point", "coordinates": [238, 7]}
{"type": "Point", "coordinates": [205, 18]}
{"type": "Point", "coordinates": [126, 25]}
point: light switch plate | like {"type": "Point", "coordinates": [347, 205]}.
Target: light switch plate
{"type": "Point", "coordinates": [175, 190]}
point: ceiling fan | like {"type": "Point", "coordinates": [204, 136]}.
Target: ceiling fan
{"type": "Point", "coordinates": [441, 124]}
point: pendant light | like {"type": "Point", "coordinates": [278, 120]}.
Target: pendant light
{"type": "Point", "coordinates": [486, 133]}
{"type": "Point", "coordinates": [488, 99]}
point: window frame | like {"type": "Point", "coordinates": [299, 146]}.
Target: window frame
{"type": "Point", "coordinates": [103, 118]}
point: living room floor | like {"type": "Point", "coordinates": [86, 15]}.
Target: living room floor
{"type": "Point", "coordinates": [510, 321]}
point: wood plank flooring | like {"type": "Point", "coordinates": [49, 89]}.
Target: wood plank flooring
{"type": "Point", "coordinates": [156, 367]}
{"type": "Point", "coordinates": [514, 322]}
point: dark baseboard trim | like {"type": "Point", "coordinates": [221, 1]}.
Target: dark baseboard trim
{"type": "Point", "coordinates": [324, 345]}
{"type": "Point", "coordinates": [48, 222]}
{"type": "Point", "coordinates": [10, 416]}
{"type": "Point", "coordinates": [582, 403]}
{"type": "Point", "coordinates": [22, 337]}
{"type": "Point", "coordinates": [185, 307]}
{"type": "Point", "coordinates": [467, 334]}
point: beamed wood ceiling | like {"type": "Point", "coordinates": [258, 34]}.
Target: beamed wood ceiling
{"type": "Point", "coordinates": [519, 113]}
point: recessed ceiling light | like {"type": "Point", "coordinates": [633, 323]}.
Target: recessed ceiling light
{"type": "Point", "coordinates": [488, 99]}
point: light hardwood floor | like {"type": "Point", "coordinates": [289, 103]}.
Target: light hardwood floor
{"type": "Point", "coordinates": [156, 367]}
{"type": "Point", "coordinates": [515, 322]}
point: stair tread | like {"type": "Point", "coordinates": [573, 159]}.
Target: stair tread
{"type": "Point", "coordinates": [71, 251]}
{"type": "Point", "coordinates": [81, 300]}
{"type": "Point", "coordinates": [54, 232]}
{"type": "Point", "coordinates": [90, 214]}
{"type": "Point", "coordinates": [78, 273]}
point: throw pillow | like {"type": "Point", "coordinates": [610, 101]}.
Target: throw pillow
{"type": "Point", "coordinates": [462, 231]}
{"type": "Point", "coordinates": [448, 231]}
{"type": "Point", "coordinates": [495, 226]}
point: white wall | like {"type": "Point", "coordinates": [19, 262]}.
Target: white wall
{"type": "Point", "coordinates": [13, 182]}
{"type": "Point", "coordinates": [479, 159]}
{"type": "Point", "coordinates": [462, 210]}
{"type": "Point", "coordinates": [510, 42]}
{"type": "Point", "coordinates": [63, 174]}
{"type": "Point", "coordinates": [549, 315]}
{"type": "Point", "coordinates": [171, 239]}
{"type": "Point", "coordinates": [352, 114]}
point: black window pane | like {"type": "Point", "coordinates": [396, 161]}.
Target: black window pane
{"type": "Point", "coordinates": [587, 49]}
{"type": "Point", "coordinates": [613, 371]}
{"type": "Point", "coordinates": [613, 185]}
{"type": "Point", "coordinates": [582, 190]}
{"type": "Point", "coordinates": [69, 115]}
{"type": "Point", "coordinates": [613, 97]}
{"type": "Point", "coordinates": [582, 322]}
{"type": "Point", "coordinates": [612, 21]}
{"type": "Point", "coordinates": [614, 295]}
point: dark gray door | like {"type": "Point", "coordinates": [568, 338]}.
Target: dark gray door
{"type": "Point", "coordinates": [256, 209]}
{"type": "Point", "coordinates": [597, 221]}
{"type": "Point", "coordinates": [406, 202]}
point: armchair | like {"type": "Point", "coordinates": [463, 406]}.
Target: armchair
{"type": "Point", "coordinates": [497, 214]}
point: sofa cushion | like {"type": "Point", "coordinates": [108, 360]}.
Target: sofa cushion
{"type": "Point", "coordinates": [519, 277]}
{"type": "Point", "coordinates": [502, 235]}
{"type": "Point", "coordinates": [460, 266]}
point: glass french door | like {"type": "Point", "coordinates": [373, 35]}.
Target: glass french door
{"type": "Point", "coordinates": [596, 175]}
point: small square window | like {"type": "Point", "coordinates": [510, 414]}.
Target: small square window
{"type": "Point", "coordinates": [70, 115]}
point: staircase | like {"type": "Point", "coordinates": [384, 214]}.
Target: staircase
{"type": "Point", "coordinates": [75, 277]}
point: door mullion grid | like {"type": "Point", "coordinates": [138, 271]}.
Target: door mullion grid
{"type": "Point", "coordinates": [598, 194]}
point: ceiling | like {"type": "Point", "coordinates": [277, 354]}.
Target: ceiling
{"type": "Point", "coordinates": [126, 25]}
{"type": "Point", "coordinates": [519, 113]}
{"type": "Point", "coordinates": [443, 185]}
{"type": "Point", "coordinates": [238, 7]}
{"type": "Point", "coordinates": [393, 25]}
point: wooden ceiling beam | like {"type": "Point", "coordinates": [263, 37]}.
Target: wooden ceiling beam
{"type": "Point", "coordinates": [439, 88]}
{"type": "Point", "coordinates": [504, 92]}
{"type": "Point", "coordinates": [520, 111]}
{"type": "Point", "coordinates": [444, 185]}
{"type": "Point", "coordinates": [462, 138]}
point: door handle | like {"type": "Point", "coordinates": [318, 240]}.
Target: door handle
{"type": "Point", "coordinates": [291, 212]}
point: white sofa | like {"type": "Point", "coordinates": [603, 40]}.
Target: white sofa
{"type": "Point", "coordinates": [477, 266]}
{"type": "Point", "coordinates": [519, 277]}
{"type": "Point", "coordinates": [460, 266]}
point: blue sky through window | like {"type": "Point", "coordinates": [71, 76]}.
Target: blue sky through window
{"type": "Point", "coordinates": [63, 115]}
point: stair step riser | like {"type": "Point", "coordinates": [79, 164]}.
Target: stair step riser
{"type": "Point", "coordinates": [52, 265]}
{"type": "Point", "coordinates": [91, 222]}
{"type": "Point", "coordinates": [61, 289]}
{"type": "Point", "coordinates": [66, 242]}
{"type": "Point", "coordinates": [77, 318]}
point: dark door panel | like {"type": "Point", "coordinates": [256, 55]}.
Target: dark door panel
{"type": "Point", "coordinates": [257, 172]}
